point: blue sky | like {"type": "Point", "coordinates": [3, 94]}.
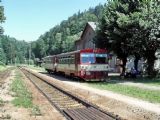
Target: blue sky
{"type": "Point", "coordinates": [28, 19]}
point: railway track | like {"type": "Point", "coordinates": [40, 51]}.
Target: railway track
{"type": "Point", "coordinates": [72, 107]}
{"type": "Point", "coordinates": [4, 75]}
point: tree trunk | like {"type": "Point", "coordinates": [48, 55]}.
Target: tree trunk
{"type": "Point", "coordinates": [124, 60]}
{"type": "Point", "coordinates": [137, 58]}
{"type": "Point", "coordinates": [150, 67]}
{"type": "Point", "coordinates": [150, 64]}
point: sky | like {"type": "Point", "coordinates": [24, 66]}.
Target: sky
{"type": "Point", "coordinates": [28, 19]}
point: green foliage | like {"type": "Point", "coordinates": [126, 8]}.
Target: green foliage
{"type": "Point", "coordinates": [39, 49]}
{"type": "Point", "coordinates": [2, 57]}
{"type": "Point", "coordinates": [68, 44]}
{"type": "Point", "coordinates": [2, 67]}
{"type": "Point", "coordinates": [148, 33]}
{"type": "Point", "coordinates": [12, 51]}
{"type": "Point", "coordinates": [2, 18]}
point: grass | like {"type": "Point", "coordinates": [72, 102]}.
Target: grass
{"type": "Point", "coordinates": [148, 95]}
{"type": "Point", "coordinates": [153, 81]}
{"type": "Point", "coordinates": [145, 80]}
{"type": "Point", "coordinates": [23, 98]}
{"type": "Point", "coordinates": [36, 111]}
{"type": "Point", "coordinates": [36, 68]}
{"type": "Point", "coordinates": [5, 117]}
{"type": "Point", "coordinates": [1, 102]}
{"type": "Point", "coordinates": [2, 67]}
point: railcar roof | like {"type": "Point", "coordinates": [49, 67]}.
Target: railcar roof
{"type": "Point", "coordinates": [68, 53]}
{"type": "Point", "coordinates": [62, 54]}
{"type": "Point", "coordinates": [49, 56]}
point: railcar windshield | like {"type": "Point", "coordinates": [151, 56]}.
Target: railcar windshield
{"type": "Point", "coordinates": [101, 58]}
{"type": "Point", "coordinates": [93, 58]}
{"type": "Point", "coordinates": [88, 58]}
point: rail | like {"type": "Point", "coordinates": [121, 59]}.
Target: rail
{"type": "Point", "coordinates": [4, 75]}
{"type": "Point", "coordinates": [71, 106]}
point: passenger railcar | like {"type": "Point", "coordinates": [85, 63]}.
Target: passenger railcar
{"type": "Point", "coordinates": [88, 64]}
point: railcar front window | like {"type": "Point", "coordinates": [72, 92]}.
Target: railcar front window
{"type": "Point", "coordinates": [101, 58]}
{"type": "Point", "coordinates": [87, 58]}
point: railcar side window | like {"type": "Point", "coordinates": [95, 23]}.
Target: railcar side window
{"type": "Point", "coordinates": [72, 61]}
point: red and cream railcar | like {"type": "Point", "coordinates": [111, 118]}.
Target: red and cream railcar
{"type": "Point", "coordinates": [49, 63]}
{"type": "Point", "coordinates": [88, 64]}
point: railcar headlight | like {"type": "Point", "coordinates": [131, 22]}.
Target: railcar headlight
{"type": "Point", "coordinates": [86, 67]}
{"type": "Point", "coordinates": [88, 73]}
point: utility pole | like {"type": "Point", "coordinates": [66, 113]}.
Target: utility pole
{"type": "Point", "coordinates": [29, 54]}
{"type": "Point", "coordinates": [15, 58]}
{"type": "Point", "coordinates": [11, 52]}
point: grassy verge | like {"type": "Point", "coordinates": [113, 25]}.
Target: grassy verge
{"type": "Point", "coordinates": [36, 68]}
{"type": "Point", "coordinates": [23, 98]}
{"type": "Point", "coordinates": [148, 95]}
{"type": "Point", "coordinates": [2, 67]}
{"type": "Point", "coordinates": [154, 81]}
{"type": "Point", "coordinates": [149, 81]}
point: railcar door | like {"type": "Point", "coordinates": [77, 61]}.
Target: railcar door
{"type": "Point", "coordinates": [77, 62]}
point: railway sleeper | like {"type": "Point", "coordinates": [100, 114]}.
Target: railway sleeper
{"type": "Point", "coordinates": [87, 114]}
{"type": "Point", "coordinates": [78, 111]}
{"type": "Point", "coordinates": [65, 103]}
{"type": "Point", "coordinates": [56, 97]}
{"type": "Point", "coordinates": [70, 107]}
{"type": "Point", "coordinates": [76, 104]}
{"type": "Point", "coordinates": [64, 100]}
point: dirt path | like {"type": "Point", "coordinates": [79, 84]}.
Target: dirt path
{"type": "Point", "coordinates": [10, 112]}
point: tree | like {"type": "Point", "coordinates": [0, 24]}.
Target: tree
{"type": "Point", "coordinates": [2, 56]}
{"type": "Point", "coordinates": [146, 34]}
{"type": "Point", "coordinates": [14, 50]}
{"type": "Point", "coordinates": [39, 49]}
{"type": "Point", "coordinates": [131, 28]}
{"type": "Point", "coordinates": [150, 23]}
{"type": "Point", "coordinates": [2, 18]}
{"type": "Point", "coordinates": [116, 28]}
{"type": "Point", "coordinates": [68, 44]}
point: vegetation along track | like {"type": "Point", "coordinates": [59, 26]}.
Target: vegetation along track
{"type": "Point", "coordinates": [72, 107]}
{"type": "Point", "coordinates": [4, 74]}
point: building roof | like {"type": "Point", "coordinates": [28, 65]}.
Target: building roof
{"type": "Point", "coordinates": [89, 24]}
{"type": "Point", "coordinates": [93, 25]}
